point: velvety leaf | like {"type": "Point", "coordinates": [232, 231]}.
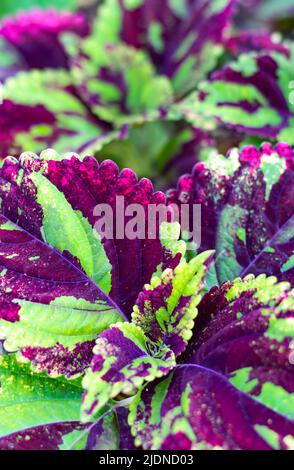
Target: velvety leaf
{"type": "Point", "coordinates": [56, 273]}
{"type": "Point", "coordinates": [112, 433]}
{"type": "Point", "coordinates": [273, 387]}
{"type": "Point", "coordinates": [116, 81]}
{"type": "Point", "coordinates": [250, 95]}
{"type": "Point", "coordinates": [179, 36]}
{"type": "Point", "coordinates": [51, 310]}
{"type": "Point", "coordinates": [36, 411]}
{"type": "Point", "coordinates": [234, 388]}
{"type": "Point", "coordinates": [54, 114]}
{"type": "Point", "coordinates": [55, 314]}
{"type": "Point", "coordinates": [165, 310]}
{"type": "Point", "coordinates": [243, 323]}
{"type": "Point", "coordinates": [247, 209]}
{"type": "Point", "coordinates": [49, 437]}
{"type": "Point", "coordinates": [248, 41]}
{"type": "Point", "coordinates": [124, 359]}
{"type": "Point", "coordinates": [197, 408]}
{"type": "Point", "coordinates": [35, 34]}
{"type": "Point", "coordinates": [128, 355]}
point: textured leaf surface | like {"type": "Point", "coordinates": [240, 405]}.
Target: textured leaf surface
{"type": "Point", "coordinates": [197, 408]}
{"type": "Point", "coordinates": [247, 209]}
{"type": "Point", "coordinates": [124, 359]}
{"type": "Point", "coordinates": [167, 307]}
{"type": "Point", "coordinates": [48, 437]}
{"type": "Point", "coordinates": [234, 389]}
{"type": "Point", "coordinates": [35, 35]}
{"type": "Point", "coordinates": [31, 401]}
{"type": "Point", "coordinates": [253, 317]}
{"type": "Point", "coordinates": [112, 433]}
{"type": "Point", "coordinates": [173, 33]}
{"type": "Point", "coordinates": [128, 355]}
{"type": "Point", "coordinates": [56, 274]}
{"type": "Point", "coordinates": [50, 307]}
{"type": "Point", "coordinates": [251, 95]}
{"type": "Point", "coordinates": [54, 115]}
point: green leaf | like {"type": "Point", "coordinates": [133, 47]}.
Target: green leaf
{"type": "Point", "coordinates": [28, 400]}
{"type": "Point", "coordinates": [67, 230]}
{"type": "Point", "coordinates": [65, 322]}
{"type": "Point", "coordinates": [10, 7]}
{"type": "Point", "coordinates": [166, 309]}
{"type": "Point", "coordinates": [72, 126]}
{"type": "Point", "coordinates": [124, 359]}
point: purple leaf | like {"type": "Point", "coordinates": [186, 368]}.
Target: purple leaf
{"type": "Point", "coordinates": [49, 437]}
{"type": "Point", "coordinates": [17, 120]}
{"type": "Point", "coordinates": [197, 408]}
{"type": "Point", "coordinates": [244, 315]}
{"type": "Point", "coordinates": [56, 273]}
{"type": "Point", "coordinates": [165, 310]}
{"type": "Point", "coordinates": [167, 48]}
{"type": "Point", "coordinates": [250, 95]}
{"type": "Point", "coordinates": [124, 359]}
{"type": "Point", "coordinates": [46, 111]}
{"type": "Point", "coordinates": [247, 209]}
{"type": "Point", "coordinates": [248, 41]}
{"type": "Point", "coordinates": [35, 35]}
{"type": "Point", "coordinates": [234, 389]}
{"type": "Point", "coordinates": [112, 432]}
{"type": "Point", "coordinates": [175, 33]}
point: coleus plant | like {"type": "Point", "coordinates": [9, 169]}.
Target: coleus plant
{"type": "Point", "coordinates": [84, 94]}
{"type": "Point", "coordinates": [71, 83]}
{"type": "Point", "coordinates": [252, 95]}
{"type": "Point", "coordinates": [167, 363]}
{"type": "Point", "coordinates": [247, 205]}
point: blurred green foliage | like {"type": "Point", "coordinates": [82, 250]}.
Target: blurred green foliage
{"type": "Point", "coordinates": [8, 7]}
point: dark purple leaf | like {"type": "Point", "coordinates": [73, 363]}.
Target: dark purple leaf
{"type": "Point", "coordinates": [16, 120]}
{"type": "Point", "coordinates": [124, 359]}
{"type": "Point", "coordinates": [53, 261]}
{"type": "Point", "coordinates": [41, 108]}
{"type": "Point", "coordinates": [166, 308]}
{"type": "Point", "coordinates": [49, 437]}
{"type": "Point", "coordinates": [112, 433]}
{"type": "Point", "coordinates": [251, 95]}
{"type": "Point", "coordinates": [36, 34]}
{"type": "Point", "coordinates": [175, 33]}
{"type": "Point", "coordinates": [247, 209]}
{"type": "Point", "coordinates": [197, 408]}
{"type": "Point", "coordinates": [248, 41]}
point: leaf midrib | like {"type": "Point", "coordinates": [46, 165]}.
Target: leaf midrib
{"type": "Point", "coordinates": [267, 245]}
{"type": "Point", "coordinates": [80, 271]}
